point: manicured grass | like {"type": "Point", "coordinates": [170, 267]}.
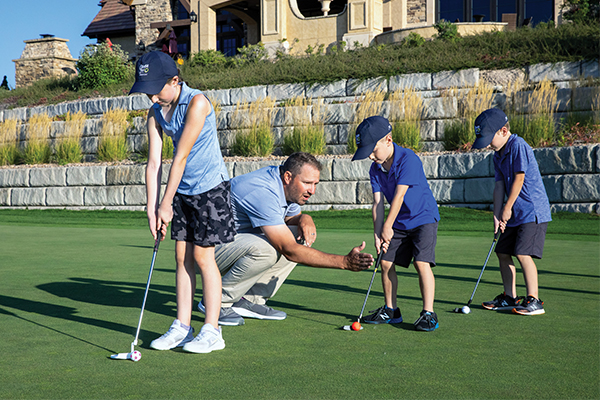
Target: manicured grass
{"type": "Point", "coordinates": [70, 296]}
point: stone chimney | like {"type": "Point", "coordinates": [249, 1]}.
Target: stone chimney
{"type": "Point", "coordinates": [48, 57]}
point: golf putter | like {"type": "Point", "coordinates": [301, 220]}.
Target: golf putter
{"type": "Point", "coordinates": [496, 236]}
{"type": "Point", "coordinates": [135, 355]}
{"type": "Point", "coordinates": [348, 327]}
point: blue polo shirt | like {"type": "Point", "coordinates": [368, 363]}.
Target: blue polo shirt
{"type": "Point", "coordinates": [419, 206]}
{"type": "Point", "coordinates": [258, 199]}
{"type": "Point", "coordinates": [204, 168]}
{"type": "Point", "coordinates": [532, 204]}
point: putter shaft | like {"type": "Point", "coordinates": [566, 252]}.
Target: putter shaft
{"type": "Point", "coordinates": [496, 236]}
{"type": "Point", "coordinates": [370, 284]}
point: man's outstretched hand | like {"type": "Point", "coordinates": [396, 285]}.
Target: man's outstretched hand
{"type": "Point", "coordinates": [357, 261]}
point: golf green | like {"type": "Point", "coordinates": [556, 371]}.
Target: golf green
{"type": "Point", "coordinates": [70, 296]}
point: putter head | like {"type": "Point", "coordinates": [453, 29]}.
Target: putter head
{"type": "Point", "coordinates": [457, 310]}
{"type": "Point", "coordinates": [133, 356]}
{"type": "Point", "coordinates": [349, 328]}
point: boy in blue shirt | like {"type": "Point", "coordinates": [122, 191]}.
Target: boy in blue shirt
{"type": "Point", "coordinates": [525, 215]}
{"type": "Point", "coordinates": [410, 230]}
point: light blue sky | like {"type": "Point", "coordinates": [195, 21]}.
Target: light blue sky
{"type": "Point", "coordinates": [26, 19]}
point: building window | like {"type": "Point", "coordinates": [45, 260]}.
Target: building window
{"type": "Point", "coordinates": [230, 33]}
{"type": "Point", "coordinates": [492, 10]}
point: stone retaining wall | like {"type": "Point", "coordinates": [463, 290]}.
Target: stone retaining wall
{"type": "Point", "coordinates": [340, 102]}
{"type": "Point", "coordinates": [571, 176]}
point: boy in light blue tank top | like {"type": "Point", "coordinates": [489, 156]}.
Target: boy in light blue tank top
{"type": "Point", "coordinates": [196, 199]}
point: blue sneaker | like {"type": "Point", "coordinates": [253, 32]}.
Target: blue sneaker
{"type": "Point", "coordinates": [384, 315]}
{"type": "Point", "coordinates": [428, 321]}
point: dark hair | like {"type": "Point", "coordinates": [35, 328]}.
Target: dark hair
{"type": "Point", "coordinates": [296, 161]}
{"type": "Point", "coordinates": [507, 126]}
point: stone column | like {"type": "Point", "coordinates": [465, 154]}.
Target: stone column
{"type": "Point", "coordinates": [365, 21]}
{"type": "Point", "coordinates": [48, 57]}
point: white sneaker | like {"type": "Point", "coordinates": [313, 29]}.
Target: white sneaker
{"type": "Point", "coordinates": [208, 339]}
{"type": "Point", "coordinates": [176, 336]}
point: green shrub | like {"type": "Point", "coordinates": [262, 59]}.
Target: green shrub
{"type": "Point", "coordinates": [447, 31]}
{"type": "Point", "coordinates": [309, 139]}
{"type": "Point", "coordinates": [9, 151]}
{"type": "Point", "coordinates": [407, 134]}
{"type": "Point", "coordinates": [537, 130]}
{"type": "Point", "coordinates": [258, 142]}
{"type": "Point", "coordinates": [581, 11]}
{"type": "Point", "coordinates": [459, 135]}
{"type": "Point", "coordinates": [112, 145]}
{"type": "Point", "coordinates": [208, 58]}
{"type": "Point", "coordinates": [167, 147]}
{"type": "Point", "coordinates": [102, 65]}
{"type": "Point", "coordinates": [413, 40]}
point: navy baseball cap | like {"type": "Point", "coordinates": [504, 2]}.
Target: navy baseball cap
{"type": "Point", "coordinates": [368, 133]}
{"type": "Point", "coordinates": [486, 125]}
{"type": "Point", "coordinates": [152, 71]}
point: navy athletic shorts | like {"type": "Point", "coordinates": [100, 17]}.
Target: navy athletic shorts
{"type": "Point", "coordinates": [523, 240]}
{"type": "Point", "coordinates": [417, 243]}
{"type": "Point", "coordinates": [204, 219]}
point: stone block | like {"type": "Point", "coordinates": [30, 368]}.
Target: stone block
{"type": "Point", "coordinates": [64, 196]}
{"type": "Point", "coordinates": [118, 103]}
{"type": "Point", "coordinates": [596, 152]}
{"type": "Point", "coordinates": [364, 193]}
{"type": "Point", "coordinates": [427, 129]}
{"type": "Point", "coordinates": [95, 106]}
{"type": "Point", "coordinates": [344, 133]}
{"type": "Point", "coordinates": [286, 91]}
{"type": "Point", "coordinates": [347, 170]}
{"type": "Point", "coordinates": [230, 166]}
{"type": "Point", "coordinates": [28, 197]}
{"type": "Point", "coordinates": [338, 113]}
{"type": "Point", "coordinates": [242, 168]}
{"type": "Point", "coordinates": [73, 107]}
{"type": "Point", "coordinates": [89, 145]}
{"type": "Point", "coordinates": [138, 126]}
{"type": "Point", "coordinates": [135, 195]}
{"type": "Point", "coordinates": [553, 185]}
{"type": "Point", "coordinates": [419, 82]}
{"type": "Point", "coordinates": [323, 90]}
{"type": "Point", "coordinates": [500, 100]}
{"type": "Point", "coordinates": [17, 177]}
{"type": "Point", "coordinates": [430, 165]}
{"type": "Point", "coordinates": [459, 79]}
{"type": "Point", "coordinates": [574, 207]}
{"type": "Point", "coordinates": [222, 119]}
{"type": "Point", "coordinates": [564, 160]}
{"type": "Point", "coordinates": [439, 107]}
{"type": "Point", "coordinates": [140, 102]}
{"type": "Point", "coordinates": [479, 190]}
{"type": "Point", "coordinates": [326, 169]}
{"type": "Point", "coordinates": [337, 149]}
{"type": "Point", "coordinates": [226, 138]}
{"type": "Point", "coordinates": [589, 69]}
{"type": "Point", "coordinates": [560, 71]}
{"type": "Point", "coordinates": [334, 193]}
{"type": "Point", "coordinates": [94, 175]}
{"type": "Point", "coordinates": [103, 196]}
{"type": "Point", "coordinates": [5, 196]}
{"type": "Point", "coordinates": [584, 98]}
{"type": "Point", "coordinates": [126, 175]}
{"type": "Point", "coordinates": [465, 165]}
{"type": "Point", "coordinates": [331, 134]}
{"type": "Point", "coordinates": [448, 190]}
{"type": "Point", "coordinates": [137, 143]}
{"type": "Point", "coordinates": [48, 177]}
{"type": "Point", "coordinates": [357, 87]}
{"type": "Point", "coordinates": [220, 96]}
{"type": "Point", "coordinates": [581, 188]}
{"type": "Point", "coordinates": [433, 147]}
{"type": "Point", "coordinates": [563, 100]}
{"type": "Point", "coordinates": [20, 114]}
{"type": "Point", "coordinates": [166, 169]}
{"type": "Point", "coordinates": [248, 94]}
{"type": "Point", "coordinates": [92, 127]}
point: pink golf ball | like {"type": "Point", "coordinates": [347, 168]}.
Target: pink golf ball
{"type": "Point", "coordinates": [136, 356]}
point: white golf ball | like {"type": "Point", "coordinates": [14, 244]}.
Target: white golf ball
{"type": "Point", "coordinates": [466, 310]}
{"type": "Point", "coordinates": [136, 356]}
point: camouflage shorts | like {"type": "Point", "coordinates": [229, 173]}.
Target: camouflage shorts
{"type": "Point", "coordinates": [204, 219]}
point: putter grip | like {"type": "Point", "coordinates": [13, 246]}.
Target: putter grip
{"type": "Point", "coordinates": [157, 241]}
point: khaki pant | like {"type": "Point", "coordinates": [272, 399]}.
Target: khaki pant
{"type": "Point", "coordinates": [251, 268]}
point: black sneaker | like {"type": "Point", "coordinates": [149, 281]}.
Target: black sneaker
{"type": "Point", "coordinates": [384, 315]}
{"type": "Point", "coordinates": [530, 306]}
{"type": "Point", "coordinates": [428, 321]}
{"type": "Point", "coordinates": [501, 302]}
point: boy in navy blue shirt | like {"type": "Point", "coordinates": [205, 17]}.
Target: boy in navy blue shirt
{"type": "Point", "coordinates": [410, 230]}
{"type": "Point", "coordinates": [525, 215]}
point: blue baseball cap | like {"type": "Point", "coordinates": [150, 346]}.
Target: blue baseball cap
{"type": "Point", "coordinates": [152, 71]}
{"type": "Point", "coordinates": [368, 133]}
{"type": "Point", "coordinates": [486, 125]}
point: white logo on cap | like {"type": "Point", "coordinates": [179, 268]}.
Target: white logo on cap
{"type": "Point", "coordinates": [144, 69]}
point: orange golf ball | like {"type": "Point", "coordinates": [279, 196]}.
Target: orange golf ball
{"type": "Point", "coordinates": [355, 326]}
